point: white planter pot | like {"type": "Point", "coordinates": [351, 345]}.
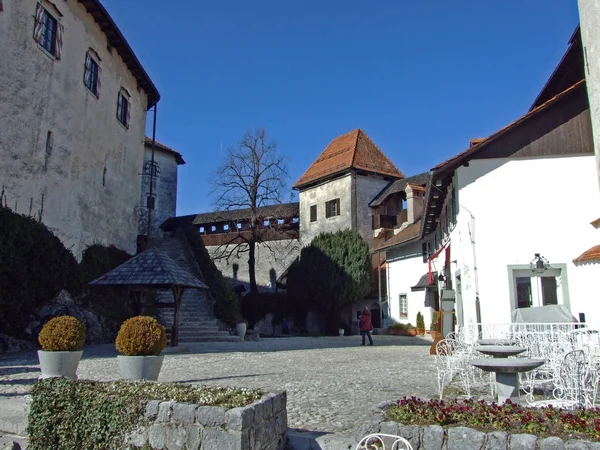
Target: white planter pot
{"type": "Point", "coordinates": [140, 367]}
{"type": "Point", "coordinates": [59, 364]}
{"type": "Point", "coordinates": [341, 331]}
{"type": "Point", "coordinates": [240, 329]}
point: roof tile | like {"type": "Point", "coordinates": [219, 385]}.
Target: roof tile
{"type": "Point", "coordinates": [591, 255]}
{"type": "Point", "coordinates": [409, 233]}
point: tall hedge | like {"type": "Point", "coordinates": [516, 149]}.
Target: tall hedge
{"type": "Point", "coordinates": [34, 267]}
{"type": "Point", "coordinates": [113, 303]}
{"type": "Point", "coordinates": [333, 271]}
{"type": "Point", "coordinates": [226, 307]}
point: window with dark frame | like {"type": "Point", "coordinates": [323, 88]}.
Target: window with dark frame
{"type": "Point", "coordinates": [123, 108]}
{"type": "Point", "coordinates": [313, 213]}
{"type": "Point", "coordinates": [332, 208]}
{"type": "Point", "coordinates": [48, 36]}
{"type": "Point", "coordinates": [91, 74]}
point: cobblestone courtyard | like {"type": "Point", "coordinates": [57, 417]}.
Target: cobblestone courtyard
{"type": "Point", "coordinates": [332, 382]}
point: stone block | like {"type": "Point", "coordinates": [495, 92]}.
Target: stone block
{"type": "Point", "coordinates": [281, 424]}
{"type": "Point", "coordinates": [363, 429]}
{"type": "Point", "coordinates": [193, 437]}
{"type": "Point", "coordinates": [176, 438]}
{"type": "Point", "coordinates": [165, 409]}
{"type": "Point", "coordinates": [389, 428]}
{"type": "Point", "coordinates": [497, 440]}
{"type": "Point", "coordinates": [577, 445]}
{"type": "Point", "coordinates": [523, 442]}
{"type": "Point", "coordinates": [463, 438]}
{"type": "Point", "coordinates": [211, 416]}
{"type": "Point", "coordinates": [222, 440]}
{"type": "Point", "coordinates": [239, 418]}
{"type": "Point", "coordinates": [433, 437]}
{"type": "Point", "coordinates": [183, 413]}
{"type": "Point", "coordinates": [412, 434]}
{"type": "Point", "coordinates": [157, 436]}
{"type": "Point", "coordinates": [137, 438]}
{"type": "Point", "coordinates": [151, 410]}
{"type": "Point", "coordinates": [552, 443]}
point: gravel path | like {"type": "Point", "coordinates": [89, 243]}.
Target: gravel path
{"type": "Point", "coordinates": [332, 382]}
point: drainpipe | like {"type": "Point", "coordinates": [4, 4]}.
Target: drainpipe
{"type": "Point", "coordinates": [150, 199]}
{"type": "Point", "coordinates": [472, 239]}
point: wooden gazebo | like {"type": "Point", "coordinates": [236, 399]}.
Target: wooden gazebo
{"type": "Point", "coordinates": [150, 271]}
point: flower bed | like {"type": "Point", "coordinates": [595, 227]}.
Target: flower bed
{"type": "Point", "coordinates": [435, 424]}
{"type": "Point", "coordinates": [98, 415]}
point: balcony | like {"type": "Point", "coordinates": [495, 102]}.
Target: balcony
{"type": "Point", "coordinates": [384, 221]}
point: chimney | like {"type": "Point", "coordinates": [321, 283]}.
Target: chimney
{"type": "Point", "coordinates": [414, 202]}
{"type": "Point", "coordinates": [476, 141]}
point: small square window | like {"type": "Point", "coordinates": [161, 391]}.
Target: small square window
{"type": "Point", "coordinates": [313, 213]}
{"type": "Point", "coordinates": [332, 208]}
{"type": "Point", "coordinates": [123, 108]}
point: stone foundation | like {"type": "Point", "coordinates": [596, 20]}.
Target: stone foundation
{"type": "Point", "coordinates": [177, 426]}
{"type": "Point", "coordinates": [435, 437]}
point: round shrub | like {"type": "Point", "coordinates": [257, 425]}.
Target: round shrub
{"type": "Point", "coordinates": [141, 336]}
{"type": "Point", "coordinates": [62, 334]}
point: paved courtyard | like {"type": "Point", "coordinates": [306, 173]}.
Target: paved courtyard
{"type": "Point", "coordinates": [332, 382]}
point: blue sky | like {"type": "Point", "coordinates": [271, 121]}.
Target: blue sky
{"type": "Point", "coordinates": [421, 78]}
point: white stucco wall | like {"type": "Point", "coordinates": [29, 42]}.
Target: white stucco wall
{"type": "Point", "coordinates": [405, 267]}
{"type": "Point", "coordinates": [40, 94]}
{"type": "Point", "coordinates": [318, 195]}
{"type": "Point", "coordinates": [270, 262]}
{"type": "Point", "coordinates": [589, 14]}
{"type": "Point", "coordinates": [164, 187]}
{"type": "Point", "coordinates": [522, 207]}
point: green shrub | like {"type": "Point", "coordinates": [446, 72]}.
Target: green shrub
{"type": "Point", "coordinates": [141, 336]}
{"type": "Point", "coordinates": [92, 415]}
{"type": "Point", "coordinates": [400, 326]}
{"type": "Point", "coordinates": [62, 334]}
{"type": "Point", "coordinates": [257, 305]}
{"type": "Point", "coordinates": [226, 307]}
{"type": "Point", "coordinates": [420, 321]}
{"type": "Point", "coordinates": [35, 267]}
{"type": "Point", "coordinates": [435, 319]}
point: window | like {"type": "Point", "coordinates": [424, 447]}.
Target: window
{"type": "Point", "coordinates": [403, 305]}
{"type": "Point", "coordinates": [532, 290]}
{"type": "Point", "coordinates": [48, 32]}
{"type": "Point", "coordinates": [123, 108]}
{"type": "Point", "coordinates": [91, 75]}
{"type": "Point", "coordinates": [332, 208]}
{"type": "Point", "coordinates": [313, 213]}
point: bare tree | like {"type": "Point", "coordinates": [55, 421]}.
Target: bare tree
{"type": "Point", "coordinates": [252, 175]}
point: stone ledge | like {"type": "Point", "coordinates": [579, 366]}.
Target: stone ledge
{"type": "Point", "coordinates": [435, 437]}
{"type": "Point", "coordinates": [261, 425]}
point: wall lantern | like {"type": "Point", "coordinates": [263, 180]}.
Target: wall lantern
{"type": "Point", "coordinates": [441, 277]}
{"type": "Point", "coordinates": [539, 264]}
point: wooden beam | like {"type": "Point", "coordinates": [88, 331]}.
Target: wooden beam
{"type": "Point", "coordinates": [177, 294]}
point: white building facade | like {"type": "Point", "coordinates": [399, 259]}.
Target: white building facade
{"type": "Point", "coordinates": [72, 113]}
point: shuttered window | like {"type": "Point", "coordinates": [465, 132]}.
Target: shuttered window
{"type": "Point", "coordinates": [332, 208]}
{"type": "Point", "coordinates": [48, 31]}
{"type": "Point", "coordinates": [313, 213]}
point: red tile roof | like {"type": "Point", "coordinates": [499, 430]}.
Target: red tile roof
{"type": "Point", "coordinates": [163, 147]}
{"type": "Point", "coordinates": [591, 255]}
{"type": "Point", "coordinates": [353, 150]}
{"type": "Point", "coordinates": [596, 223]}
{"type": "Point", "coordinates": [474, 148]}
{"type": "Point", "coordinates": [413, 231]}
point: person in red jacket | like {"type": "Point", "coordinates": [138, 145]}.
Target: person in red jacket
{"type": "Point", "coordinates": [365, 325]}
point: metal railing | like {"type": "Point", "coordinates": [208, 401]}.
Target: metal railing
{"type": "Point", "coordinates": [473, 332]}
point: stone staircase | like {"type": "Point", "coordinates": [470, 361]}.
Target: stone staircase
{"type": "Point", "coordinates": [196, 320]}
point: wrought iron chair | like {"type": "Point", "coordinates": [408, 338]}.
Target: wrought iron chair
{"type": "Point", "coordinates": [378, 441]}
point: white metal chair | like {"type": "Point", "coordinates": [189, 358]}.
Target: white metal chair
{"type": "Point", "coordinates": [378, 441]}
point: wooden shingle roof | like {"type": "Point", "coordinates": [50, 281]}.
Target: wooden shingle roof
{"type": "Point", "coordinates": [151, 268]}
{"type": "Point", "coordinates": [353, 150]}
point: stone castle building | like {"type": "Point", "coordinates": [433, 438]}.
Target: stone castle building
{"type": "Point", "coordinates": [73, 115]}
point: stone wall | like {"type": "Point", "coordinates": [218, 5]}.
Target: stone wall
{"type": "Point", "coordinates": [175, 426]}
{"type": "Point", "coordinates": [271, 261]}
{"type": "Point", "coordinates": [59, 141]}
{"type": "Point", "coordinates": [367, 187]}
{"type": "Point", "coordinates": [435, 437]}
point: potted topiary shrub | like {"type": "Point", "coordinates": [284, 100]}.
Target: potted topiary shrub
{"type": "Point", "coordinates": [420, 324]}
{"type": "Point", "coordinates": [240, 327]}
{"type": "Point", "coordinates": [62, 339]}
{"type": "Point", "coordinates": [139, 342]}
{"type": "Point", "coordinates": [434, 328]}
